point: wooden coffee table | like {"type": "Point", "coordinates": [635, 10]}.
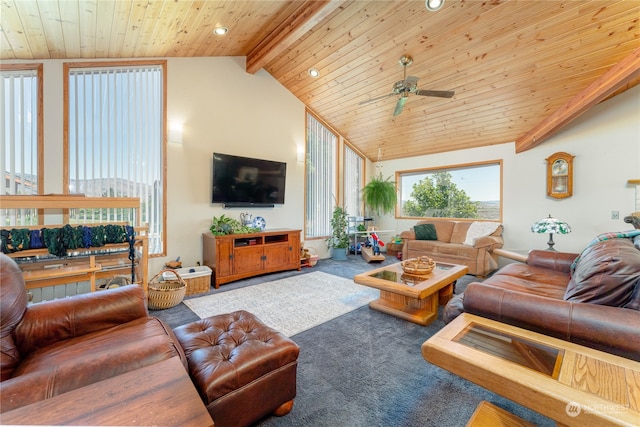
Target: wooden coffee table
{"type": "Point", "coordinates": [569, 383]}
{"type": "Point", "coordinates": [413, 298]}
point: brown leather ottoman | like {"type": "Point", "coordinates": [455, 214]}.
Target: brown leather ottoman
{"type": "Point", "coordinates": [243, 369]}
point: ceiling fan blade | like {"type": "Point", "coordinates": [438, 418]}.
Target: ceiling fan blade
{"type": "Point", "coordinates": [400, 105]}
{"type": "Point", "coordinates": [376, 99]}
{"type": "Point", "coordinates": [438, 93]}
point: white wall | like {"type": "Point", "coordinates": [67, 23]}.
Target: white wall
{"type": "Point", "coordinates": [226, 110]}
{"type": "Point", "coordinates": [606, 144]}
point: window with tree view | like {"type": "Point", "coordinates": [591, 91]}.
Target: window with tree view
{"type": "Point", "coordinates": [471, 191]}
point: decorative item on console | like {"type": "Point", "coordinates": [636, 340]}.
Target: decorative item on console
{"type": "Point", "coordinates": [246, 218]}
{"type": "Point", "coordinates": [259, 222]}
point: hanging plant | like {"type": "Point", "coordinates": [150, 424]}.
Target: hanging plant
{"type": "Point", "coordinates": [380, 195]}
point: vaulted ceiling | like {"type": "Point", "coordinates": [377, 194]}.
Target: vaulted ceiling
{"type": "Point", "coordinates": [520, 69]}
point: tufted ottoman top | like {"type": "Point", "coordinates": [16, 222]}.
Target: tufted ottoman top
{"type": "Point", "coordinates": [228, 351]}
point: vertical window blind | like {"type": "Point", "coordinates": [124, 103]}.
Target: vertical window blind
{"type": "Point", "coordinates": [321, 179]}
{"type": "Point", "coordinates": [19, 142]}
{"type": "Point", "coordinates": [353, 176]}
{"type": "Point", "coordinates": [115, 142]}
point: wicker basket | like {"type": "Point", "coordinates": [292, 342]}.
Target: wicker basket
{"type": "Point", "coordinates": [420, 266]}
{"type": "Point", "coordinates": [198, 279]}
{"type": "Point", "coordinates": [166, 294]}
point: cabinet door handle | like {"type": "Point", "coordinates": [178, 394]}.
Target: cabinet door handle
{"type": "Point", "coordinates": [263, 257]}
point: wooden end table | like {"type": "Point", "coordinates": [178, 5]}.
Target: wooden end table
{"type": "Point", "coordinates": [413, 298]}
{"type": "Point", "coordinates": [158, 394]}
{"type": "Point", "coordinates": [569, 383]}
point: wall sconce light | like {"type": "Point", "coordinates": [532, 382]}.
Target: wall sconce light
{"type": "Point", "coordinates": [175, 132]}
{"type": "Point", "coordinates": [300, 154]}
{"type": "Point", "coordinates": [434, 5]}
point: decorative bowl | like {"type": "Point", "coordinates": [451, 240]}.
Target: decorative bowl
{"type": "Point", "coordinates": [420, 266]}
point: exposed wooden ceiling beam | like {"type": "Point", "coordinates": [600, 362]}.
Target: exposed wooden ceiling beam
{"type": "Point", "coordinates": [309, 14]}
{"type": "Point", "coordinates": [619, 75]}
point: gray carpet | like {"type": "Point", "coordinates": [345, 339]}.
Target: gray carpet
{"type": "Point", "coordinates": [365, 368]}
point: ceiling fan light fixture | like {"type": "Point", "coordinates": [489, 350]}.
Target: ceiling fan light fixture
{"type": "Point", "coordinates": [220, 31]}
{"type": "Point", "coordinates": [434, 5]}
{"type": "Point", "coordinates": [313, 72]}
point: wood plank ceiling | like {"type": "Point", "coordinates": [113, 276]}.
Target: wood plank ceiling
{"type": "Point", "coordinates": [515, 66]}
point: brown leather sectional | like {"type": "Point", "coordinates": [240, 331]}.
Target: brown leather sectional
{"type": "Point", "coordinates": [54, 347]}
{"type": "Point", "coordinates": [595, 303]}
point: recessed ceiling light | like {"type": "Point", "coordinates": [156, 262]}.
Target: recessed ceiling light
{"type": "Point", "coordinates": [433, 5]}
{"type": "Point", "coordinates": [220, 31]}
{"type": "Point", "coordinates": [314, 73]}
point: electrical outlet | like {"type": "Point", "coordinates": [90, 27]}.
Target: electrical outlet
{"type": "Point", "coordinates": [615, 215]}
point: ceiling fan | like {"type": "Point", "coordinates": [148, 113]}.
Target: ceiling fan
{"type": "Point", "coordinates": [409, 84]}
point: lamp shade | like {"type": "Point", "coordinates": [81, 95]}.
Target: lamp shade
{"type": "Point", "coordinates": [551, 225]}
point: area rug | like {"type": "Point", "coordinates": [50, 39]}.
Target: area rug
{"type": "Point", "coordinates": [290, 305]}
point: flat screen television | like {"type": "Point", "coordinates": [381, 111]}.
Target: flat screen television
{"type": "Point", "coordinates": [245, 182]}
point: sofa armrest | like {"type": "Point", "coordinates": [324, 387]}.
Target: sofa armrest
{"type": "Point", "coordinates": [48, 322]}
{"type": "Point", "coordinates": [489, 243]}
{"type": "Point", "coordinates": [408, 235]}
{"type": "Point", "coordinates": [552, 260]}
{"type": "Point", "coordinates": [610, 329]}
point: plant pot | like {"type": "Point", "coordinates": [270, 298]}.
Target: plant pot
{"type": "Point", "coordinates": [339, 254]}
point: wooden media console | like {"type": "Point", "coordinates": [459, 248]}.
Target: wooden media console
{"type": "Point", "coordinates": [238, 256]}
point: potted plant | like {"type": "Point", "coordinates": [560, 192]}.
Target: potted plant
{"type": "Point", "coordinates": [380, 195]}
{"type": "Point", "coordinates": [339, 240]}
{"type": "Point", "coordinates": [223, 225]}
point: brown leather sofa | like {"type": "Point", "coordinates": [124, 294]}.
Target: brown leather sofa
{"type": "Point", "coordinates": [591, 299]}
{"type": "Point", "coordinates": [53, 347]}
{"type": "Point", "coordinates": [449, 245]}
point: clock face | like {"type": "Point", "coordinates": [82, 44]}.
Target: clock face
{"type": "Point", "coordinates": [560, 167]}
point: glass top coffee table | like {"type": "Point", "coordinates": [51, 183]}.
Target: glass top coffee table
{"type": "Point", "coordinates": [409, 297]}
{"type": "Point", "coordinates": [569, 383]}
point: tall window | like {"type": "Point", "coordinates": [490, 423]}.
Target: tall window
{"type": "Point", "coordinates": [471, 191]}
{"type": "Point", "coordinates": [321, 179]}
{"type": "Point", "coordinates": [353, 173]}
{"type": "Point", "coordinates": [115, 141]}
{"type": "Point", "coordinates": [21, 136]}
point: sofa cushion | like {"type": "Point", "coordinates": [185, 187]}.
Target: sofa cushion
{"type": "Point", "coordinates": [84, 360]}
{"type": "Point", "coordinates": [606, 273]}
{"type": "Point", "coordinates": [459, 233]}
{"type": "Point", "coordinates": [530, 279]}
{"type": "Point", "coordinates": [425, 232]}
{"type": "Point", "coordinates": [444, 228]}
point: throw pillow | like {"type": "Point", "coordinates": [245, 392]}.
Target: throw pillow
{"type": "Point", "coordinates": [606, 273]}
{"type": "Point", "coordinates": [425, 232]}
